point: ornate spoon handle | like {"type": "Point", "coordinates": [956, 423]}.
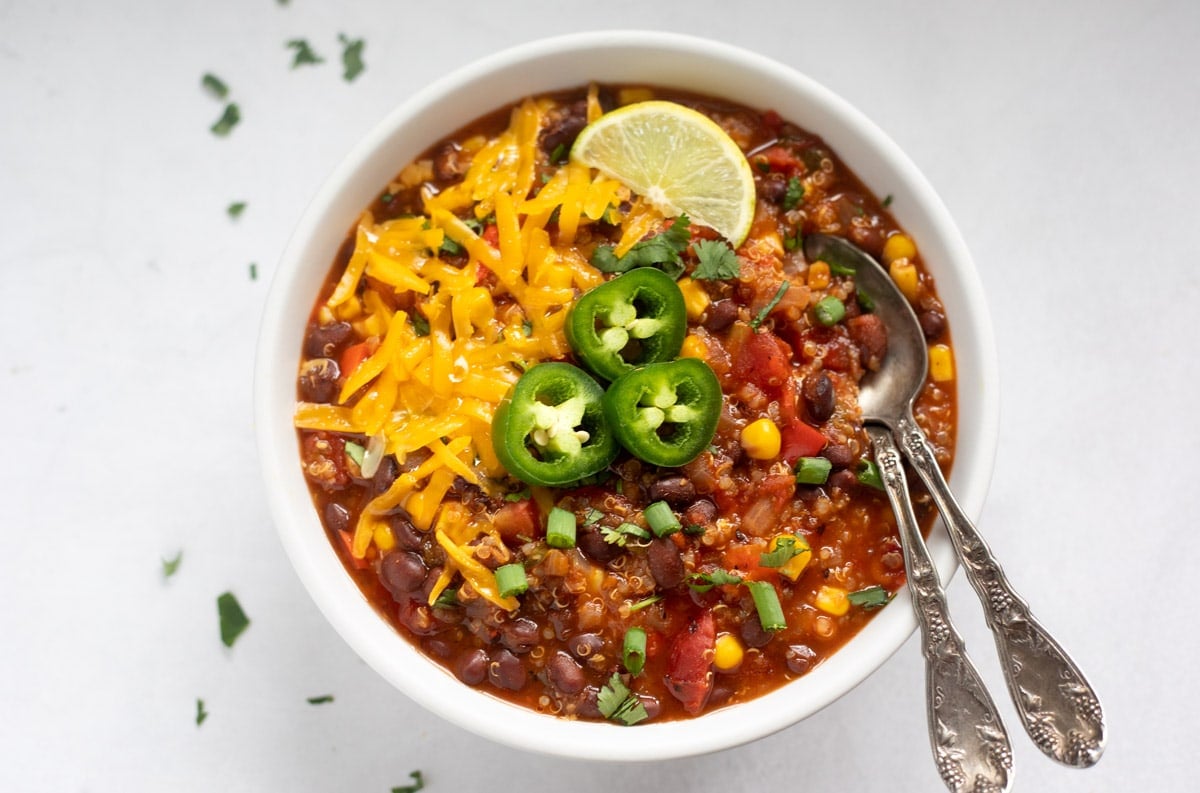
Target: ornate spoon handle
{"type": "Point", "coordinates": [969, 741]}
{"type": "Point", "coordinates": [1057, 705]}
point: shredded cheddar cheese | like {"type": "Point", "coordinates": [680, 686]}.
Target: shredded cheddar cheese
{"type": "Point", "coordinates": [438, 391]}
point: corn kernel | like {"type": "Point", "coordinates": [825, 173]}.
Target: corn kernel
{"type": "Point", "coordinates": [694, 347]}
{"type": "Point", "coordinates": [818, 275]}
{"type": "Point", "coordinates": [898, 246]}
{"type": "Point", "coordinates": [832, 600]}
{"type": "Point", "coordinates": [793, 567]}
{"type": "Point", "coordinates": [728, 653]}
{"type": "Point", "coordinates": [904, 274]}
{"type": "Point", "coordinates": [384, 539]}
{"type": "Point", "coordinates": [628, 96]}
{"type": "Point", "coordinates": [351, 309]}
{"type": "Point", "coordinates": [941, 363]}
{"type": "Point", "coordinates": [761, 439]}
{"type": "Point", "coordinates": [695, 298]}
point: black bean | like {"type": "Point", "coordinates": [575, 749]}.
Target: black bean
{"type": "Point", "coordinates": [585, 645]}
{"type": "Point", "coordinates": [819, 397]}
{"type": "Point", "coordinates": [402, 571]}
{"type": "Point", "coordinates": [318, 380]}
{"type": "Point", "coordinates": [675, 490]}
{"type": "Point", "coordinates": [519, 635]}
{"type": "Point", "coordinates": [800, 658]}
{"type": "Point", "coordinates": [595, 547]}
{"type": "Point", "coordinates": [933, 322]}
{"type": "Point", "coordinates": [589, 703]}
{"type": "Point", "coordinates": [871, 336]}
{"type": "Point", "coordinates": [439, 647]}
{"type": "Point", "coordinates": [839, 455]}
{"type": "Point", "coordinates": [385, 475]}
{"type": "Point", "coordinates": [506, 671]}
{"type": "Point", "coordinates": [562, 128]}
{"type": "Point", "coordinates": [449, 163]}
{"type": "Point", "coordinates": [417, 617]}
{"type": "Point", "coordinates": [337, 517]}
{"type": "Point", "coordinates": [472, 667]}
{"type": "Point", "coordinates": [701, 513]}
{"type": "Point", "coordinates": [754, 634]}
{"type": "Point", "coordinates": [406, 534]}
{"type": "Point", "coordinates": [565, 673]}
{"type": "Point", "coordinates": [666, 563]}
{"type": "Point", "coordinates": [326, 341]}
{"type": "Point", "coordinates": [842, 480]}
{"type": "Point", "coordinates": [772, 188]}
{"type": "Point", "coordinates": [720, 315]}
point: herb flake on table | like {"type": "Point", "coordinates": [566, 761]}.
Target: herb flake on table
{"type": "Point", "coordinates": [171, 566]}
{"type": "Point", "coordinates": [228, 120]}
{"type": "Point", "coordinates": [418, 782]}
{"type": "Point", "coordinates": [236, 209]}
{"type": "Point", "coordinates": [321, 700]}
{"type": "Point", "coordinates": [201, 713]}
{"type": "Point", "coordinates": [214, 85]}
{"type": "Point", "coordinates": [352, 57]}
{"type": "Point", "coordinates": [253, 271]}
{"type": "Point", "coordinates": [304, 53]}
{"type": "Point", "coordinates": [233, 620]}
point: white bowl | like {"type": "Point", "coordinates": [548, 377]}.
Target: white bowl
{"type": "Point", "coordinates": [609, 57]}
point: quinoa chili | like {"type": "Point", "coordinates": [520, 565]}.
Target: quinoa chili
{"type": "Point", "coordinates": [619, 589]}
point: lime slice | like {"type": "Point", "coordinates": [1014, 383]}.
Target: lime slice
{"type": "Point", "coordinates": [678, 160]}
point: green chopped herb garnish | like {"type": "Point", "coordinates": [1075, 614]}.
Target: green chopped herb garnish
{"type": "Point", "coordinates": [793, 242]}
{"type": "Point", "coordinates": [839, 268]}
{"type": "Point", "coordinates": [450, 247]}
{"type": "Point", "coordinates": [887, 200]}
{"type": "Point", "coordinates": [592, 517]}
{"type": "Point", "coordinates": [870, 598]}
{"type": "Point", "coordinates": [214, 85]}
{"type": "Point", "coordinates": [794, 193]}
{"type": "Point", "coordinates": [693, 529]}
{"type": "Point", "coordinates": [419, 323]}
{"type": "Point", "coordinates": [233, 619]}
{"type": "Point", "coordinates": [418, 784]}
{"type": "Point", "coordinates": [171, 566]}
{"type": "Point", "coordinates": [763, 165]}
{"type": "Point", "coordinates": [304, 53]}
{"type": "Point", "coordinates": [527, 326]}
{"type": "Point", "coordinates": [618, 703]}
{"type": "Point", "coordinates": [865, 301]}
{"type": "Point", "coordinates": [717, 261]}
{"type": "Point", "coordinates": [236, 209]}
{"type": "Point", "coordinates": [868, 474]}
{"type": "Point", "coordinates": [448, 599]}
{"type": "Point", "coordinates": [559, 154]}
{"type": "Point", "coordinates": [785, 549]}
{"type": "Point", "coordinates": [520, 495]}
{"type": "Point", "coordinates": [352, 61]}
{"type": "Point", "coordinates": [702, 582]}
{"type": "Point", "coordinates": [769, 307]}
{"type": "Point", "coordinates": [643, 603]}
{"type": "Point", "coordinates": [829, 311]}
{"type": "Point", "coordinates": [621, 534]}
{"type": "Point", "coordinates": [663, 251]}
{"type": "Point", "coordinates": [324, 699]}
{"type": "Point", "coordinates": [253, 271]}
{"type": "Point", "coordinates": [355, 452]}
{"type": "Point", "coordinates": [386, 198]}
{"type": "Point", "coordinates": [201, 713]}
{"type": "Point", "coordinates": [228, 120]}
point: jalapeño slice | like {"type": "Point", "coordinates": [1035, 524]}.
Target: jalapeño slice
{"type": "Point", "coordinates": [634, 319]}
{"type": "Point", "coordinates": [550, 428]}
{"type": "Point", "coordinates": [665, 413]}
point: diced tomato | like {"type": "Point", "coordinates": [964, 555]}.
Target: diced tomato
{"type": "Point", "coordinates": [491, 235]}
{"type": "Point", "coordinates": [743, 559]}
{"type": "Point", "coordinates": [348, 541]}
{"type": "Point", "coordinates": [689, 675]}
{"type": "Point", "coordinates": [324, 457]}
{"type": "Point", "coordinates": [353, 356]}
{"type": "Point", "coordinates": [484, 275]}
{"type": "Point", "coordinates": [517, 519]}
{"type": "Point", "coordinates": [800, 440]}
{"type": "Point", "coordinates": [782, 160]}
{"type": "Point", "coordinates": [764, 360]}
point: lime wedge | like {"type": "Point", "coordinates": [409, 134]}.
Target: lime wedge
{"type": "Point", "coordinates": [677, 159]}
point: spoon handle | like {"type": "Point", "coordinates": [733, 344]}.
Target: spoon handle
{"type": "Point", "coordinates": [970, 744]}
{"type": "Point", "coordinates": [1057, 705]}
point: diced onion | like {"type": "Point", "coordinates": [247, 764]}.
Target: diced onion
{"type": "Point", "coordinates": [376, 447]}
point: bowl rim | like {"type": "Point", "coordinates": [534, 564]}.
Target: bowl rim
{"type": "Point", "coordinates": [277, 357]}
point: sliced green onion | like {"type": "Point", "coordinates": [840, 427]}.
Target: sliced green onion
{"type": "Point", "coordinates": [633, 655]}
{"type": "Point", "coordinates": [511, 580]}
{"type": "Point", "coordinates": [785, 548]}
{"type": "Point", "coordinates": [870, 598]}
{"type": "Point", "coordinates": [868, 474]}
{"type": "Point", "coordinates": [661, 519]}
{"type": "Point", "coordinates": [864, 300]}
{"type": "Point", "coordinates": [560, 529]}
{"type": "Point", "coordinates": [812, 470]}
{"type": "Point", "coordinates": [355, 452]}
{"type": "Point", "coordinates": [766, 601]}
{"type": "Point", "coordinates": [829, 311]}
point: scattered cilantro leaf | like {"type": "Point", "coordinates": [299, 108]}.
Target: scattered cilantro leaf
{"type": "Point", "coordinates": [418, 783]}
{"type": "Point", "coordinates": [785, 549]}
{"type": "Point", "coordinates": [321, 700]}
{"type": "Point", "coordinates": [559, 155]}
{"type": "Point", "coordinates": [643, 603]}
{"type": "Point", "coordinates": [769, 307]}
{"type": "Point", "coordinates": [228, 120]}
{"type": "Point", "coordinates": [235, 209]}
{"type": "Point", "coordinates": [621, 534]}
{"type": "Point", "coordinates": [527, 326]}
{"type": "Point", "coordinates": [520, 495]}
{"type": "Point", "coordinates": [253, 271]}
{"type": "Point", "coordinates": [887, 200]}
{"type": "Point", "coordinates": [448, 599]}
{"type": "Point", "coordinates": [304, 53]}
{"type": "Point", "coordinates": [214, 85]}
{"type": "Point", "coordinates": [201, 713]}
{"type": "Point", "coordinates": [352, 60]}
{"type": "Point", "coordinates": [663, 251]}
{"type": "Point", "coordinates": [593, 516]}
{"type": "Point", "coordinates": [233, 619]}
{"type": "Point", "coordinates": [794, 193]}
{"type": "Point", "coordinates": [870, 598]}
{"type": "Point", "coordinates": [793, 242]}
{"type": "Point", "coordinates": [419, 323]}
{"type": "Point", "coordinates": [717, 261]}
{"type": "Point", "coordinates": [171, 566]}
{"type": "Point", "coordinates": [618, 703]}
{"type": "Point", "coordinates": [702, 582]}
{"type": "Point", "coordinates": [450, 247]}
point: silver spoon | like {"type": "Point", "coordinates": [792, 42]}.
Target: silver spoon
{"type": "Point", "coordinates": [1057, 706]}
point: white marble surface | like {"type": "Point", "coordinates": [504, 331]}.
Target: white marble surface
{"type": "Point", "coordinates": [1063, 137]}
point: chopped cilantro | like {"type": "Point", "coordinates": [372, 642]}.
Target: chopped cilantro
{"type": "Point", "coordinates": [870, 598]}
{"type": "Point", "coordinates": [717, 261]}
{"type": "Point", "coordinates": [641, 604]}
{"type": "Point", "coordinates": [693, 529]}
{"type": "Point", "coordinates": [304, 53]}
{"type": "Point", "coordinates": [236, 209]}
{"type": "Point", "coordinates": [794, 193]}
{"type": "Point", "coordinates": [450, 247]}
{"type": "Point", "coordinates": [785, 549]}
{"type": "Point", "coordinates": [702, 582]}
{"type": "Point", "coordinates": [887, 200]}
{"type": "Point", "coordinates": [769, 307]}
{"type": "Point", "coordinates": [520, 495]}
{"type": "Point", "coordinates": [527, 326]}
{"type": "Point", "coordinates": [794, 242]}
{"type": "Point", "coordinates": [618, 703]}
{"type": "Point", "coordinates": [386, 198]}
{"type": "Point", "coordinates": [448, 599]}
{"type": "Point", "coordinates": [214, 85]}
{"type": "Point", "coordinates": [352, 62]}
{"type": "Point", "coordinates": [621, 534]}
{"type": "Point", "coordinates": [171, 566]}
{"type": "Point", "coordinates": [762, 165]}
{"type": "Point", "coordinates": [233, 619]}
{"type": "Point", "coordinates": [228, 120]}
{"type": "Point", "coordinates": [321, 700]}
{"type": "Point", "coordinates": [253, 271]}
{"type": "Point", "coordinates": [419, 323]}
{"type": "Point", "coordinates": [418, 782]}
{"type": "Point", "coordinates": [663, 251]}
{"type": "Point", "coordinates": [559, 154]}
{"type": "Point", "coordinates": [201, 713]}
{"type": "Point", "coordinates": [593, 515]}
